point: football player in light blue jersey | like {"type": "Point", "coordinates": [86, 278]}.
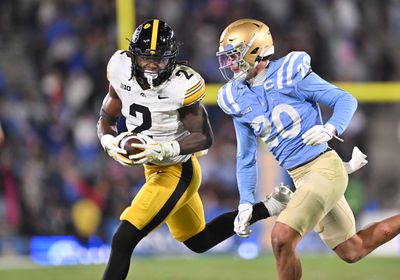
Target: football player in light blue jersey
{"type": "Point", "coordinates": [277, 101]}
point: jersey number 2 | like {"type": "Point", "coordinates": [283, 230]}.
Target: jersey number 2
{"type": "Point", "coordinates": [187, 76]}
{"type": "Point", "coordinates": [146, 116]}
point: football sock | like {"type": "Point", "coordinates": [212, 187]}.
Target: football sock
{"type": "Point", "coordinates": [124, 241]}
{"type": "Point", "coordinates": [221, 228]}
{"type": "Point", "coordinates": [259, 212]}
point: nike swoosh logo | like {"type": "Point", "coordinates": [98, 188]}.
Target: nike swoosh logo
{"type": "Point", "coordinates": [162, 97]}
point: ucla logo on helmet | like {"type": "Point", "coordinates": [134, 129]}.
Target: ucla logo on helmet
{"type": "Point", "coordinates": [137, 33]}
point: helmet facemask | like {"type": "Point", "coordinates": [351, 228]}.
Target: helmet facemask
{"type": "Point", "coordinates": [232, 64]}
{"type": "Point", "coordinates": [157, 75]}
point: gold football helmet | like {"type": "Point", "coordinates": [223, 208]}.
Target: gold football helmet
{"type": "Point", "coordinates": [242, 45]}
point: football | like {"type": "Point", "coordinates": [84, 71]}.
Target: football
{"type": "Point", "coordinates": [127, 141]}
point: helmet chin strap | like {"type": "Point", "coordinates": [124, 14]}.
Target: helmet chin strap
{"type": "Point", "coordinates": [256, 75]}
{"type": "Point", "coordinates": [241, 76]}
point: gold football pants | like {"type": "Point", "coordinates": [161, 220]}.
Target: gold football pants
{"type": "Point", "coordinates": [319, 201]}
{"type": "Point", "coordinates": [170, 195]}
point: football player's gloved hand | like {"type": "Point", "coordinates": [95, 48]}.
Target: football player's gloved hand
{"type": "Point", "coordinates": [110, 145]}
{"type": "Point", "coordinates": [155, 151]}
{"type": "Point", "coordinates": [358, 160]}
{"type": "Point", "coordinates": [318, 134]}
{"type": "Point", "coordinates": [241, 225]}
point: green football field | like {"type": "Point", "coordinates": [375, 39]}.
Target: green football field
{"type": "Point", "coordinates": [219, 268]}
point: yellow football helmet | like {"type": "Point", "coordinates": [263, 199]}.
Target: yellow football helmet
{"type": "Point", "coordinates": [242, 45]}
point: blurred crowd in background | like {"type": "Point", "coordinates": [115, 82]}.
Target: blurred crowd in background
{"type": "Point", "coordinates": [54, 176]}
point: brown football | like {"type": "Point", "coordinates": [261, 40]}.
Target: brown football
{"type": "Point", "coordinates": [128, 140]}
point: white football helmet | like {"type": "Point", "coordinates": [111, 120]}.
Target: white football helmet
{"type": "Point", "coordinates": [242, 45]}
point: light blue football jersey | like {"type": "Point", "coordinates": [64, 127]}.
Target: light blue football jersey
{"type": "Point", "coordinates": [279, 110]}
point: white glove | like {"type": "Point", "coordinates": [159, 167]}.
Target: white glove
{"type": "Point", "coordinates": [110, 145]}
{"type": "Point", "coordinates": [318, 134]}
{"type": "Point", "coordinates": [358, 160]}
{"type": "Point", "coordinates": [154, 151]}
{"type": "Point", "coordinates": [241, 225]}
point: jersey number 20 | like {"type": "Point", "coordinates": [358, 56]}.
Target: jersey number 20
{"type": "Point", "coordinates": [282, 130]}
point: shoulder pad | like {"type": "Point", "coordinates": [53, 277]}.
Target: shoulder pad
{"type": "Point", "coordinates": [227, 98]}
{"type": "Point", "coordinates": [194, 84]}
{"type": "Point", "coordinates": [114, 64]}
{"type": "Point", "coordinates": [295, 66]}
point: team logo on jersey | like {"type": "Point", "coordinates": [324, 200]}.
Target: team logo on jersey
{"type": "Point", "coordinates": [125, 87]}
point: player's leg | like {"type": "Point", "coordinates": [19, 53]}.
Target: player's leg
{"type": "Point", "coordinates": [337, 229]}
{"type": "Point", "coordinates": [284, 240]}
{"type": "Point", "coordinates": [320, 184]}
{"type": "Point", "coordinates": [368, 239]}
{"type": "Point", "coordinates": [221, 227]}
{"type": "Point", "coordinates": [187, 224]}
{"type": "Point", "coordinates": [166, 188]}
{"type": "Point", "coordinates": [123, 243]}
